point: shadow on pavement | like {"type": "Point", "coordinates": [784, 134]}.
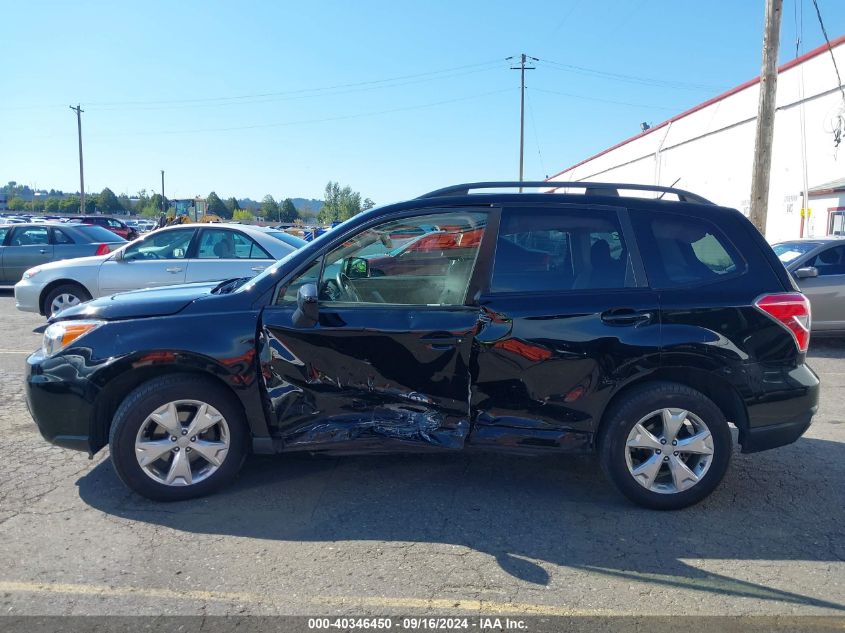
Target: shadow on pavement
{"type": "Point", "coordinates": [781, 505]}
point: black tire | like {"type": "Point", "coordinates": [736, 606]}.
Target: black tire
{"type": "Point", "coordinates": [154, 394]}
{"type": "Point", "coordinates": [640, 402]}
{"type": "Point", "coordinates": [65, 289]}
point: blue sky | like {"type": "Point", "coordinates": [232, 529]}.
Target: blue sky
{"type": "Point", "coordinates": [392, 98]}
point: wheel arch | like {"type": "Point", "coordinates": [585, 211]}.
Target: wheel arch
{"type": "Point", "coordinates": [723, 394]}
{"type": "Point", "coordinates": [46, 290]}
{"type": "Point", "coordinates": [115, 390]}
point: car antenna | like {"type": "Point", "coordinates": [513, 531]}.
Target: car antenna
{"type": "Point", "coordinates": [660, 197]}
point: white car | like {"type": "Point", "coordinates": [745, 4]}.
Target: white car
{"type": "Point", "coordinates": [173, 255]}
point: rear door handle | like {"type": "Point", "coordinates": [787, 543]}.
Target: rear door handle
{"type": "Point", "coordinates": [43, 251]}
{"type": "Point", "coordinates": [174, 269]}
{"type": "Point", "coordinates": [441, 340]}
{"type": "Point", "coordinates": [625, 316]}
{"type": "Point", "coordinates": [258, 269]}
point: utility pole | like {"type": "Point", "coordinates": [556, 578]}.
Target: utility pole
{"type": "Point", "coordinates": [79, 112]}
{"type": "Point", "coordinates": [523, 58]}
{"type": "Point", "coordinates": [162, 191]}
{"type": "Point", "coordinates": [766, 116]}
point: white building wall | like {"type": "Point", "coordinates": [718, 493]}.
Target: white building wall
{"type": "Point", "coordinates": [710, 149]}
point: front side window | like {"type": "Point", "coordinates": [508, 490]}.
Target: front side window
{"type": "Point", "coordinates": [830, 262]}
{"type": "Point", "coordinates": [223, 244]}
{"type": "Point", "coordinates": [160, 245]}
{"type": "Point", "coordinates": [30, 236]}
{"type": "Point", "coordinates": [549, 250]}
{"type": "Point", "coordinates": [682, 251]}
{"type": "Point", "coordinates": [424, 260]}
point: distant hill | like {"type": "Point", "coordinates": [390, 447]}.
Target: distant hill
{"type": "Point", "coordinates": [300, 203]}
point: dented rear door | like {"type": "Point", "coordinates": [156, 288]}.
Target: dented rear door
{"type": "Point", "coordinates": [367, 377]}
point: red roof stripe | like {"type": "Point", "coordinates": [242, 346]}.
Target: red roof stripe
{"type": "Point", "coordinates": [813, 53]}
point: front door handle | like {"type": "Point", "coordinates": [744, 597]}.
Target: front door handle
{"type": "Point", "coordinates": [625, 316]}
{"type": "Point", "coordinates": [43, 251]}
{"type": "Point", "coordinates": [174, 269]}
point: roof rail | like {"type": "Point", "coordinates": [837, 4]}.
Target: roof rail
{"type": "Point", "coordinates": [594, 188]}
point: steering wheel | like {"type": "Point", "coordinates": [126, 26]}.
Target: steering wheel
{"type": "Point", "coordinates": [147, 255]}
{"type": "Point", "coordinates": [346, 287]}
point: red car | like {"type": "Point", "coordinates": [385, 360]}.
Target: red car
{"type": "Point", "coordinates": [113, 225]}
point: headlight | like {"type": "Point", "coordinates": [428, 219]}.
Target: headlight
{"type": "Point", "coordinates": [31, 272]}
{"type": "Point", "coordinates": [59, 335]}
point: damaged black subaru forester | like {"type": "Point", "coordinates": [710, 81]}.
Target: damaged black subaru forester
{"type": "Point", "coordinates": [652, 332]}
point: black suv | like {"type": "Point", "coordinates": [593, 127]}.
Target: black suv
{"type": "Point", "coordinates": [653, 332]}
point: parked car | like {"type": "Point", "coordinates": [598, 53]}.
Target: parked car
{"type": "Point", "coordinates": [287, 238]}
{"type": "Point", "coordinates": [655, 333]}
{"type": "Point", "coordinates": [23, 246]}
{"type": "Point", "coordinates": [174, 255]}
{"type": "Point", "coordinates": [112, 224]}
{"type": "Point", "coordinates": [818, 265]}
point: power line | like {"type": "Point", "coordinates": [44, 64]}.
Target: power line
{"type": "Point", "coordinates": [281, 93]}
{"type": "Point", "coordinates": [600, 100]}
{"type": "Point", "coordinates": [311, 121]}
{"type": "Point", "coordinates": [829, 48]}
{"type": "Point", "coordinates": [291, 96]}
{"type": "Point", "coordinates": [646, 81]}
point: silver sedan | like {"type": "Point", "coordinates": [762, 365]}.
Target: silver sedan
{"type": "Point", "coordinates": [818, 266]}
{"type": "Point", "coordinates": [168, 256]}
{"type": "Point", "coordinates": [25, 245]}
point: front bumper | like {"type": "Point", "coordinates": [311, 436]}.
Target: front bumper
{"type": "Point", "coordinates": [61, 400]}
{"type": "Point", "coordinates": [27, 296]}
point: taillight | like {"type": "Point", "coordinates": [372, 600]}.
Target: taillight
{"type": "Point", "coordinates": [102, 249]}
{"type": "Point", "coordinates": [792, 310]}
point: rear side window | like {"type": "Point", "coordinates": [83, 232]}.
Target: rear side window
{"type": "Point", "coordinates": [60, 237]}
{"type": "Point", "coordinates": [682, 251]}
{"type": "Point", "coordinates": [551, 250]}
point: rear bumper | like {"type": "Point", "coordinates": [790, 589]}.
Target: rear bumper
{"type": "Point", "coordinates": [766, 437]}
{"type": "Point", "coordinates": [784, 411]}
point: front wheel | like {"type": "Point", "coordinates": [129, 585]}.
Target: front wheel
{"type": "Point", "coordinates": [665, 446]}
{"type": "Point", "coordinates": [178, 437]}
{"type": "Point", "coordinates": [64, 296]}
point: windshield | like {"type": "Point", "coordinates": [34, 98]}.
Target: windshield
{"type": "Point", "coordinates": [788, 252]}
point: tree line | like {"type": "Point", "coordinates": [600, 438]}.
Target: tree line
{"type": "Point", "coordinates": [339, 203]}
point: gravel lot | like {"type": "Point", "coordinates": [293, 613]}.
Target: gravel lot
{"type": "Point", "coordinates": [428, 534]}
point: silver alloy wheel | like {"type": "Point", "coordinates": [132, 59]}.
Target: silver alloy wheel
{"type": "Point", "coordinates": [669, 450]}
{"type": "Point", "coordinates": [62, 301]}
{"type": "Point", "coordinates": [182, 443]}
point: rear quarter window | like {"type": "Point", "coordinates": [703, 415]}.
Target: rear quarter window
{"type": "Point", "coordinates": [96, 233]}
{"type": "Point", "coordinates": [681, 251]}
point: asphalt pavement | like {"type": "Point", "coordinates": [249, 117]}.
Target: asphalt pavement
{"type": "Point", "coordinates": [465, 533]}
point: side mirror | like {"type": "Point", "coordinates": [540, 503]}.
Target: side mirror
{"type": "Point", "coordinates": [118, 256]}
{"type": "Point", "coordinates": [806, 272]}
{"type": "Point", "coordinates": [357, 268]}
{"type": "Point", "coordinates": [307, 312]}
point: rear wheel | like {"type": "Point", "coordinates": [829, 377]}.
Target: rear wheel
{"type": "Point", "coordinates": [178, 437]}
{"type": "Point", "coordinates": [665, 446]}
{"type": "Point", "coordinates": [64, 296]}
